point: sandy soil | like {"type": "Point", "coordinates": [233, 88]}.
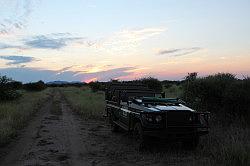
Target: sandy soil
{"type": "Point", "coordinates": [62, 138]}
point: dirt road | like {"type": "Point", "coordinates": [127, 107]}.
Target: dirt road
{"type": "Point", "coordinates": [57, 136]}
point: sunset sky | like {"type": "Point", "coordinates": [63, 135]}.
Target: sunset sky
{"type": "Point", "coordinates": [89, 40]}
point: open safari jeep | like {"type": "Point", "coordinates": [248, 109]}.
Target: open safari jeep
{"type": "Point", "coordinates": [135, 108]}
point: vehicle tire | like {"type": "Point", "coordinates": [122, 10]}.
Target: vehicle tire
{"type": "Point", "coordinates": [139, 136]}
{"type": "Point", "coordinates": [191, 143]}
{"type": "Point", "coordinates": [114, 127]}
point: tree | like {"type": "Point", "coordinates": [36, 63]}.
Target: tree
{"type": "Point", "coordinates": [95, 86]}
{"type": "Point", "coordinates": [152, 83]}
{"type": "Point", "coordinates": [7, 90]}
{"type": "Point", "coordinates": [35, 86]}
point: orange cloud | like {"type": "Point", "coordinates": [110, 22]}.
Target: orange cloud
{"type": "Point", "coordinates": [90, 80]}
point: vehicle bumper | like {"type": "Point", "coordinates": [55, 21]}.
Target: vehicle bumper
{"type": "Point", "coordinates": [175, 133]}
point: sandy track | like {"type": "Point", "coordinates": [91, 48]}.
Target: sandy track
{"type": "Point", "coordinates": [52, 138]}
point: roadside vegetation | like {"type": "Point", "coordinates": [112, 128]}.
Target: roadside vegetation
{"type": "Point", "coordinates": [173, 91]}
{"type": "Point", "coordinates": [14, 114]}
{"type": "Point", "coordinates": [227, 144]}
{"type": "Point", "coordinates": [17, 106]}
{"type": "Point", "coordinates": [8, 89]}
{"type": "Point", "coordinates": [88, 103]}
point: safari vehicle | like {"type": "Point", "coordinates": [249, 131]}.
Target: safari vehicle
{"type": "Point", "coordinates": [146, 113]}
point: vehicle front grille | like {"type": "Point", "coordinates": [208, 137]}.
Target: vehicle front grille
{"type": "Point", "coordinates": [179, 118]}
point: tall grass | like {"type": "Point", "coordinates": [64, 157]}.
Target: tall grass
{"type": "Point", "coordinates": [56, 104]}
{"type": "Point", "coordinates": [227, 145]}
{"type": "Point", "coordinates": [14, 114]}
{"type": "Point", "coordinates": [87, 103]}
{"type": "Point", "coordinates": [174, 91]}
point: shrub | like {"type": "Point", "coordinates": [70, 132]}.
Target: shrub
{"type": "Point", "coordinates": [152, 83]}
{"type": "Point", "coordinates": [221, 93]}
{"type": "Point", "coordinates": [15, 85]}
{"type": "Point", "coordinates": [8, 89]}
{"type": "Point", "coordinates": [237, 98]}
{"type": "Point", "coordinates": [95, 86]}
{"type": "Point", "coordinates": [36, 86]}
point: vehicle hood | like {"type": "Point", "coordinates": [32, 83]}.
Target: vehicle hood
{"type": "Point", "coordinates": [161, 108]}
{"type": "Point", "coordinates": [179, 107]}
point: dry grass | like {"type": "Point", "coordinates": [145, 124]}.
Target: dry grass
{"type": "Point", "coordinates": [87, 103]}
{"type": "Point", "coordinates": [15, 114]}
{"type": "Point", "coordinates": [228, 145]}
{"type": "Point", "coordinates": [56, 104]}
{"type": "Point", "coordinates": [174, 91]}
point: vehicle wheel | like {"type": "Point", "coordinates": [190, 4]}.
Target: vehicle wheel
{"type": "Point", "coordinates": [191, 143]}
{"type": "Point", "coordinates": [114, 127]}
{"type": "Point", "coordinates": [138, 136]}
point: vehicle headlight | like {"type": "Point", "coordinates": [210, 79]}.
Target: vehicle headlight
{"type": "Point", "coordinates": [202, 119]}
{"type": "Point", "coordinates": [152, 118]}
{"type": "Point", "coordinates": [148, 117]}
{"type": "Point", "coordinates": [158, 118]}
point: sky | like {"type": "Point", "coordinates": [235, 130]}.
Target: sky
{"type": "Point", "coordinates": [90, 40]}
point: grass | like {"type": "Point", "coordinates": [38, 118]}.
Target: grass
{"type": "Point", "coordinates": [56, 104]}
{"type": "Point", "coordinates": [87, 103]}
{"type": "Point", "coordinates": [174, 91]}
{"type": "Point", "coordinates": [228, 145]}
{"type": "Point", "coordinates": [15, 114]}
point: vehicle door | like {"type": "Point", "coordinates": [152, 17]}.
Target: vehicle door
{"type": "Point", "coordinates": [125, 114]}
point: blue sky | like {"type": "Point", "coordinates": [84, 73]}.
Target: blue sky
{"type": "Point", "coordinates": [83, 40]}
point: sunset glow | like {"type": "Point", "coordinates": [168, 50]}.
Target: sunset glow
{"type": "Point", "coordinates": [90, 80]}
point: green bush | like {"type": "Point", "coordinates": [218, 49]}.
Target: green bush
{"type": "Point", "coordinates": [152, 83]}
{"type": "Point", "coordinates": [237, 100]}
{"type": "Point", "coordinates": [15, 85]}
{"type": "Point", "coordinates": [95, 86]}
{"type": "Point", "coordinates": [221, 93]}
{"type": "Point", "coordinates": [8, 89]}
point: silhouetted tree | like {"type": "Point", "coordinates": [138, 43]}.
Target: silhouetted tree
{"type": "Point", "coordinates": [35, 86]}
{"type": "Point", "coordinates": [152, 83]}
{"type": "Point", "coordinates": [95, 86]}
{"type": "Point", "coordinates": [8, 89]}
{"type": "Point", "coordinates": [222, 94]}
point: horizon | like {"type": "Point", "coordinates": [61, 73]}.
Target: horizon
{"type": "Point", "coordinates": [90, 40]}
{"type": "Point", "coordinates": [89, 81]}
